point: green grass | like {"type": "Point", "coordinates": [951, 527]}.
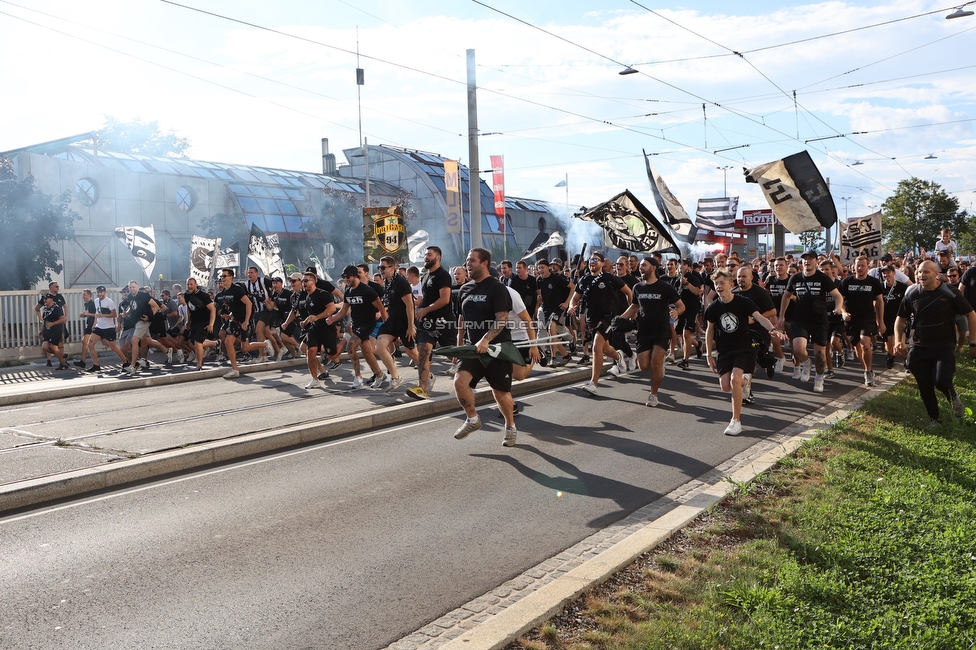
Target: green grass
{"type": "Point", "coordinates": [865, 538]}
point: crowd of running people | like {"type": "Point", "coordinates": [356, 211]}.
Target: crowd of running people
{"type": "Point", "coordinates": [814, 314]}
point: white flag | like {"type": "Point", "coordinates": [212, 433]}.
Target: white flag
{"type": "Point", "coordinates": [202, 252]}
{"type": "Point", "coordinates": [141, 242]}
{"type": "Point", "coordinates": [555, 239]}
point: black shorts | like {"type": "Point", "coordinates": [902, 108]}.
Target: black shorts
{"type": "Point", "coordinates": [323, 338]}
{"type": "Point", "coordinates": [813, 330]}
{"type": "Point", "coordinates": [174, 332]}
{"type": "Point", "coordinates": [835, 326]}
{"type": "Point", "coordinates": [362, 331]}
{"type": "Point", "coordinates": [687, 319]}
{"type": "Point", "coordinates": [601, 325]}
{"type": "Point", "coordinates": [429, 333]}
{"type": "Point", "coordinates": [647, 340]}
{"type": "Point", "coordinates": [263, 316]}
{"type": "Point", "coordinates": [54, 337]}
{"type": "Point", "coordinates": [556, 316]}
{"type": "Point", "coordinates": [89, 327]}
{"type": "Point", "coordinates": [231, 327]}
{"type": "Point", "coordinates": [292, 330]}
{"type": "Point", "coordinates": [197, 332]}
{"type": "Point", "coordinates": [398, 330]}
{"type": "Point", "coordinates": [744, 358]}
{"type": "Point", "coordinates": [498, 374]}
{"type": "Point", "coordinates": [862, 326]}
{"type": "Point", "coordinates": [156, 330]}
{"type": "Point", "coordinates": [106, 334]}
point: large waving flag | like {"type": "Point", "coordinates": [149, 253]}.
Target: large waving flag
{"type": "Point", "coordinates": [265, 253]}
{"type": "Point", "coordinates": [630, 226]}
{"type": "Point", "coordinates": [717, 214]}
{"type": "Point", "coordinates": [861, 236]}
{"type": "Point", "coordinates": [668, 205]}
{"type": "Point", "coordinates": [202, 254]}
{"type": "Point", "coordinates": [796, 192]}
{"type": "Point", "coordinates": [141, 242]}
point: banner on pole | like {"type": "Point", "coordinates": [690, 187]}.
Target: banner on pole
{"type": "Point", "coordinates": [384, 233]}
{"type": "Point", "coordinates": [452, 197]}
{"type": "Point", "coordinates": [141, 242]}
{"type": "Point", "coordinates": [202, 259]}
{"type": "Point", "coordinates": [498, 188]}
{"type": "Point", "coordinates": [861, 236]}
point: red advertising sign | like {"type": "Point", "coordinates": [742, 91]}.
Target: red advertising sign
{"type": "Point", "coordinates": [754, 218]}
{"type": "Point", "coordinates": [498, 187]}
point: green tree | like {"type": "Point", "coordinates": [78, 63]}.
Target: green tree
{"type": "Point", "coordinates": [914, 215]}
{"type": "Point", "coordinates": [30, 222]}
{"type": "Point", "coordinates": [137, 136]}
{"type": "Point", "coordinates": [812, 240]}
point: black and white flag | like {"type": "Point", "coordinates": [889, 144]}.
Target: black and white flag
{"type": "Point", "coordinates": [861, 236]}
{"type": "Point", "coordinates": [229, 257]}
{"type": "Point", "coordinates": [202, 251]}
{"type": "Point", "coordinates": [265, 253]}
{"type": "Point", "coordinates": [672, 212]}
{"type": "Point", "coordinates": [630, 226]}
{"type": "Point", "coordinates": [717, 214]}
{"type": "Point", "coordinates": [141, 241]}
{"type": "Point", "coordinates": [796, 192]}
{"type": "Point", "coordinates": [555, 239]}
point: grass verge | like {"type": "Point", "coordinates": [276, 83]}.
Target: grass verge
{"type": "Point", "coordinates": [864, 538]}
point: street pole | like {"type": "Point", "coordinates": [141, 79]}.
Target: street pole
{"type": "Point", "coordinates": [474, 173]}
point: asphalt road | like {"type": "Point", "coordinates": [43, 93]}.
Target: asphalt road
{"type": "Point", "coordinates": [358, 542]}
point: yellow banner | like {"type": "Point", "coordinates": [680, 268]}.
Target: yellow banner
{"type": "Point", "coordinates": [451, 181]}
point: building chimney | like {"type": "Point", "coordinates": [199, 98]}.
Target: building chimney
{"type": "Point", "coordinates": [328, 159]}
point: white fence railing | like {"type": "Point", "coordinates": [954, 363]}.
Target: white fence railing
{"type": "Point", "coordinates": [20, 327]}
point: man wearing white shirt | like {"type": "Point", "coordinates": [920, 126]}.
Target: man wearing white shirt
{"type": "Point", "coordinates": [104, 329]}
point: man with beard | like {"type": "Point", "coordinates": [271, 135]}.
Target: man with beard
{"type": "Point", "coordinates": [932, 359]}
{"type": "Point", "coordinates": [686, 326]}
{"type": "Point", "coordinates": [363, 304]}
{"type": "Point", "coordinates": [399, 325]}
{"type": "Point", "coordinates": [764, 303]}
{"type": "Point", "coordinates": [485, 303]}
{"type": "Point", "coordinates": [317, 310]}
{"type": "Point", "coordinates": [290, 332]}
{"type": "Point", "coordinates": [863, 314]}
{"type": "Point", "coordinates": [601, 291]}
{"type": "Point", "coordinates": [653, 303]}
{"type": "Point", "coordinates": [894, 293]}
{"type": "Point", "coordinates": [810, 287]}
{"type": "Point", "coordinates": [53, 289]}
{"type": "Point", "coordinates": [527, 287]}
{"type": "Point", "coordinates": [729, 343]}
{"type": "Point", "coordinates": [432, 316]}
{"type": "Point", "coordinates": [235, 309]}
{"type": "Point", "coordinates": [202, 316]}
{"type": "Point", "coordinates": [554, 288]}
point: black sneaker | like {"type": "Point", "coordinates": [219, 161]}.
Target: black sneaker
{"type": "Point", "coordinates": [516, 411]}
{"type": "Point", "coordinates": [49, 364]}
{"type": "Point", "coordinates": [699, 350]}
{"type": "Point", "coordinates": [324, 374]}
{"type": "Point", "coordinates": [335, 364]}
{"type": "Point", "coordinates": [889, 362]}
{"type": "Point", "coordinates": [79, 363]}
{"type": "Point", "coordinates": [748, 399]}
{"type": "Point", "coordinates": [370, 381]}
{"type": "Point", "coordinates": [584, 360]}
{"type": "Point", "coordinates": [95, 369]}
{"type": "Point", "coordinates": [683, 364]}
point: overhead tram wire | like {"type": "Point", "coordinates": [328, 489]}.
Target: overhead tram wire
{"type": "Point", "coordinates": [225, 67]}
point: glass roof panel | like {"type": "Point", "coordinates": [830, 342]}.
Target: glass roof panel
{"type": "Point", "coordinates": [221, 174]}
{"type": "Point", "coordinates": [248, 204]}
{"type": "Point", "coordinates": [257, 219]}
{"type": "Point", "coordinates": [239, 189]}
{"type": "Point", "coordinates": [278, 193]}
{"type": "Point", "coordinates": [161, 167]}
{"type": "Point", "coordinates": [267, 205]}
{"type": "Point", "coordinates": [292, 194]}
{"type": "Point", "coordinates": [314, 181]}
{"type": "Point", "coordinates": [286, 206]}
{"type": "Point", "coordinates": [257, 190]}
{"type": "Point", "coordinates": [135, 166]}
{"type": "Point", "coordinates": [264, 178]}
{"type": "Point", "coordinates": [293, 224]}
{"type": "Point", "coordinates": [275, 223]}
{"type": "Point", "coordinates": [244, 175]}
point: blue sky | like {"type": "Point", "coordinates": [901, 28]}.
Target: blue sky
{"type": "Point", "coordinates": [887, 95]}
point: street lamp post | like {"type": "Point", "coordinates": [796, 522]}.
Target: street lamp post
{"type": "Point", "coordinates": [565, 183]}
{"type": "Point", "coordinates": [725, 181]}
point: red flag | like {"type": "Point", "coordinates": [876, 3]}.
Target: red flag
{"type": "Point", "coordinates": [498, 187]}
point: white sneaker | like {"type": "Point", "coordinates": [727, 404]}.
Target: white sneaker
{"type": "Point", "coordinates": [357, 382]}
{"type": "Point", "coordinates": [394, 384]}
{"type": "Point", "coordinates": [734, 428]}
{"type": "Point", "coordinates": [669, 358]}
{"type": "Point", "coordinates": [180, 356]}
{"type": "Point", "coordinates": [430, 383]}
{"type": "Point", "coordinates": [315, 383]}
{"type": "Point", "coordinates": [281, 353]}
{"type": "Point", "coordinates": [632, 362]}
{"type": "Point", "coordinates": [614, 370]}
{"type": "Point", "coordinates": [805, 370]}
{"type": "Point", "coordinates": [778, 368]}
{"type": "Point", "coordinates": [621, 363]}
{"type": "Point", "coordinates": [747, 384]}
{"type": "Point", "coordinates": [589, 387]}
{"type": "Point", "coordinates": [818, 382]}
{"type": "Point", "coordinates": [268, 348]}
{"type": "Point", "coordinates": [169, 356]}
{"type": "Point", "coordinates": [378, 384]}
{"type": "Point", "coordinates": [231, 374]}
{"type": "Point", "coordinates": [510, 434]}
{"type": "Point", "coordinates": [796, 372]}
{"type": "Point", "coordinates": [453, 368]}
{"type": "Point", "coordinates": [651, 400]}
{"type": "Point", "coordinates": [869, 378]}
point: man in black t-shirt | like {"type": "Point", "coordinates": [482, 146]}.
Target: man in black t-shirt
{"type": "Point", "coordinates": [932, 359]}
{"type": "Point", "coordinates": [52, 333]}
{"type": "Point", "coordinates": [485, 303]}
{"type": "Point", "coordinates": [776, 286]}
{"type": "Point", "coordinates": [53, 289]}
{"type": "Point", "coordinates": [653, 304]}
{"type": "Point", "coordinates": [433, 316]}
{"type": "Point", "coordinates": [201, 316]}
{"type": "Point", "coordinates": [894, 293]}
{"type": "Point", "coordinates": [142, 309]}
{"type": "Point", "coordinates": [745, 287]}
{"type": "Point", "coordinates": [289, 331]}
{"type": "Point", "coordinates": [602, 292]}
{"type": "Point", "coordinates": [399, 324]}
{"type": "Point", "coordinates": [863, 314]}
{"type": "Point", "coordinates": [554, 290]}
{"type": "Point", "coordinates": [363, 304]}
{"type": "Point", "coordinates": [235, 309]}
{"type": "Point", "coordinates": [315, 311]}
{"type": "Point", "coordinates": [261, 313]}
{"type": "Point", "coordinates": [692, 288]}
{"type": "Point", "coordinates": [527, 287]}
{"type": "Point", "coordinates": [810, 286]}
{"type": "Point", "coordinates": [728, 341]}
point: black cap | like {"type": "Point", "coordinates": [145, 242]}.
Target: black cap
{"type": "Point", "coordinates": [312, 269]}
{"type": "Point", "coordinates": [100, 287]}
{"type": "Point", "coordinates": [886, 257]}
{"type": "Point", "coordinates": [493, 271]}
{"type": "Point", "coordinates": [48, 295]}
{"type": "Point", "coordinates": [277, 280]}
{"type": "Point", "coordinates": [687, 261]}
{"type": "Point", "coordinates": [350, 271]}
{"type": "Point", "coordinates": [888, 268]}
{"type": "Point", "coordinates": [810, 253]}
